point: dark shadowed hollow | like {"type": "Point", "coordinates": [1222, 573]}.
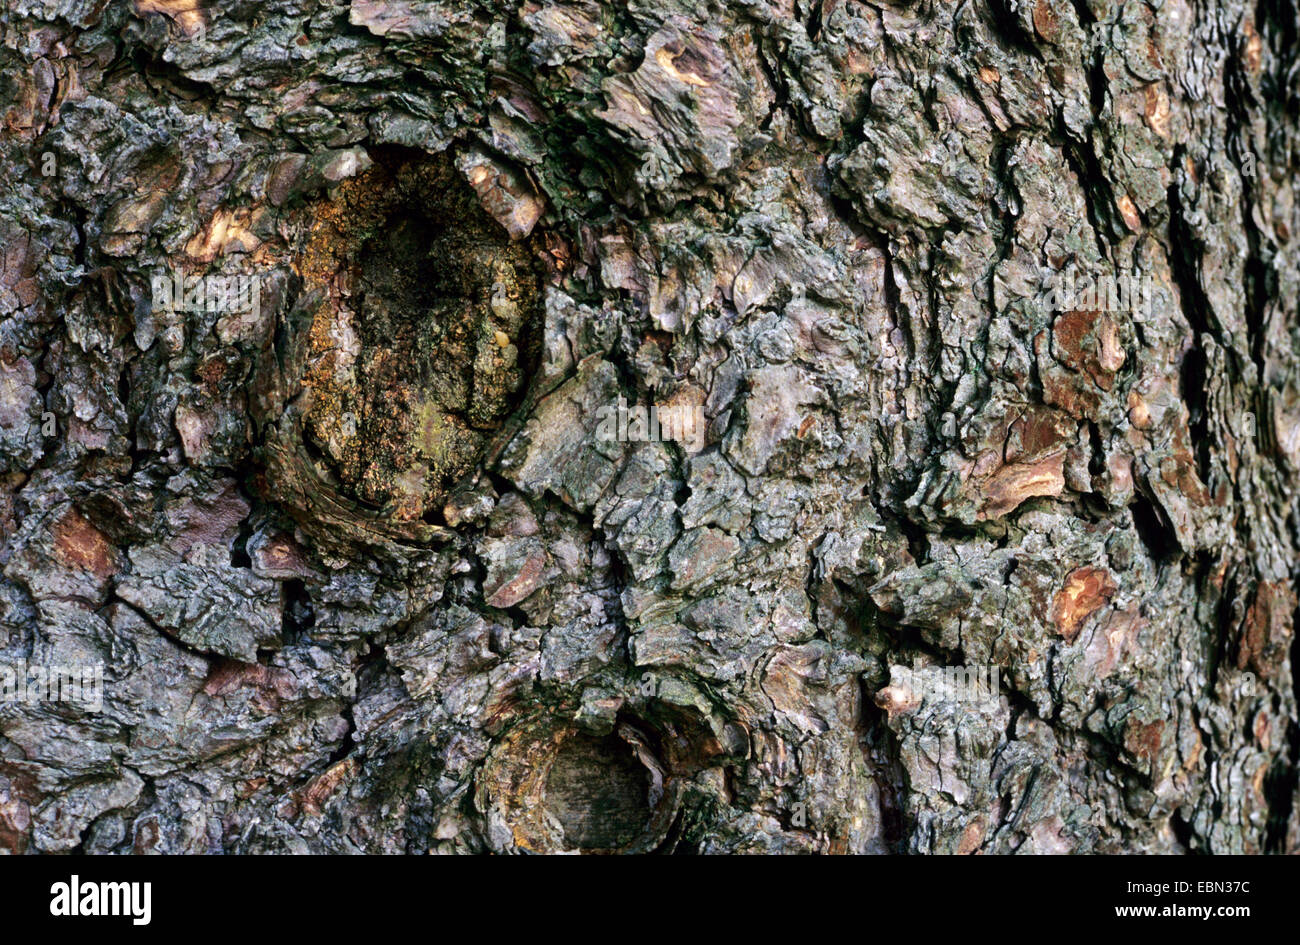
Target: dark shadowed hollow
{"type": "Point", "coordinates": [599, 792]}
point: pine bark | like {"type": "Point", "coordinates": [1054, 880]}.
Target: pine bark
{"type": "Point", "coordinates": [955, 564]}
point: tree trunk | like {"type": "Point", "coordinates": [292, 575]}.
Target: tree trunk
{"type": "Point", "coordinates": [964, 522]}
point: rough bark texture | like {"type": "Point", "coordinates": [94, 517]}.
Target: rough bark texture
{"type": "Point", "coordinates": [361, 572]}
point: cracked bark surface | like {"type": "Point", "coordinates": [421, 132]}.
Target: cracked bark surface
{"type": "Point", "coordinates": [363, 576]}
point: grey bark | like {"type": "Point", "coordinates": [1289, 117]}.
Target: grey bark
{"type": "Point", "coordinates": [364, 573]}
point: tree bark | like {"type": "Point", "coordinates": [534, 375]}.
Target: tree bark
{"type": "Point", "coordinates": [965, 556]}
